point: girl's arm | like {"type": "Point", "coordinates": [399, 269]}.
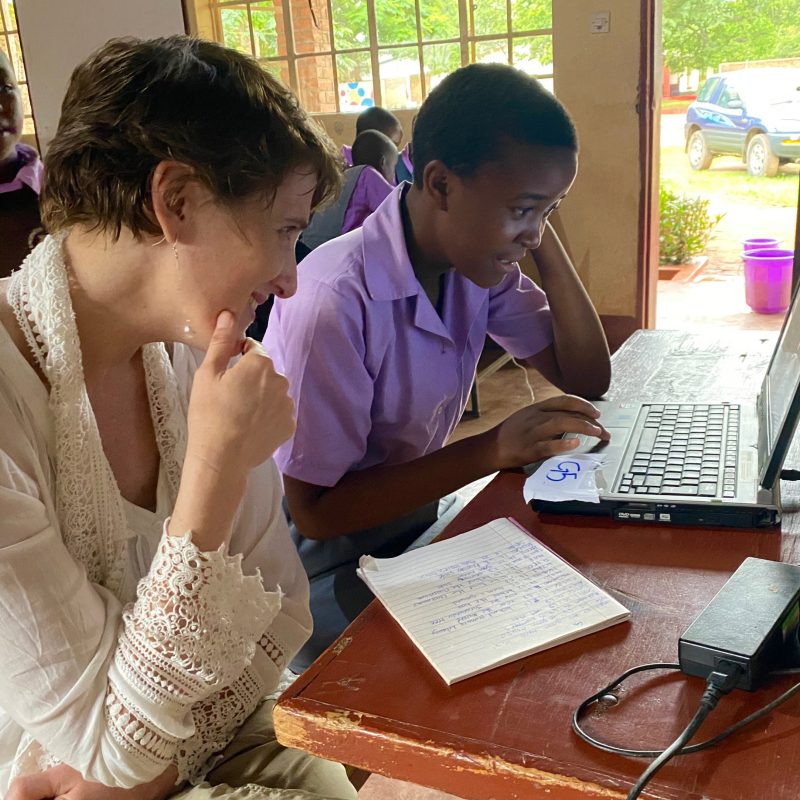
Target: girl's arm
{"type": "Point", "coordinates": [377, 495]}
{"type": "Point", "coordinates": [578, 360]}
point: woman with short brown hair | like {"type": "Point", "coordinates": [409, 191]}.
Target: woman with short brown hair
{"type": "Point", "coordinates": [150, 596]}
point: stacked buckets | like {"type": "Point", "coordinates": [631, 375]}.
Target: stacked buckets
{"type": "Point", "coordinates": [767, 276]}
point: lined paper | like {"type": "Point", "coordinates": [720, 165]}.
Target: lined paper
{"type": "Point", "coordinates": [487, 597]}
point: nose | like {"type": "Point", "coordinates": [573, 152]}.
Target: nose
{"type": "Point", "coordinates": [531, 237]}
{"type": "Point", "coordinates": [285, 283]}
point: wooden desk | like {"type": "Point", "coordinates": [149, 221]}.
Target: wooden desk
{"type": "Point", "coordinates": [373, 701]}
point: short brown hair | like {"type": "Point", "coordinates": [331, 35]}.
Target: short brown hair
{"type": "Point", "coordinates": [135, 103]}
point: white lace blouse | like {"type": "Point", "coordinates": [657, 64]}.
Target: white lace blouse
{"type": "Point", "coordinates": [120, 686]}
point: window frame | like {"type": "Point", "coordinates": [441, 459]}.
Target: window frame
{"type": "Point", "coordinates": [466, 40]}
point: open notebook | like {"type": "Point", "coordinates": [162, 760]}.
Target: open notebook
{"type": "Point", "coordinates": [487, 597]}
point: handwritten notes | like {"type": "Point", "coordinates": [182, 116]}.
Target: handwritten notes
{"type": "Point", "coordinates": [487, 597]}
{"type": "Point", "coordinates": [569, 477]}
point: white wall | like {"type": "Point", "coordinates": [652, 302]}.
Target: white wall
{"type": "Point", "coordinates": [58, 34]}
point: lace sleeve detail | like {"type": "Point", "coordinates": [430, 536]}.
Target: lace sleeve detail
{"type": "Point", "coordinates": [217, 718]}
{"type": "Point", "coordinates": [191, 633]}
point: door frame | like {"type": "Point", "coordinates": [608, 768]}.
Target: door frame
{"type": "Point", "coordinates": [648, 108]}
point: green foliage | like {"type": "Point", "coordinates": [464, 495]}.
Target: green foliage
{"type": "Point", "coordinates": [396, 24]}
{"type": "Point", "coordinates": [704, 33]}
{"type": "Point", "coordinates": [236, 31]}
{"type": "Point", "coordinates": [686, 226]}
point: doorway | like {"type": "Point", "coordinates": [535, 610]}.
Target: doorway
{"type": "Point", "coordinates": [715, 192]}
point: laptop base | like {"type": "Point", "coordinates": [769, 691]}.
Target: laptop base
{"type": "Point", "coordinates": [683, 514]}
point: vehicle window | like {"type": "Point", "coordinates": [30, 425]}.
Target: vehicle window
{"type": "Point", "coordinates": [708, 89]}
{"type": "Point", "coordinates": [729, 95]}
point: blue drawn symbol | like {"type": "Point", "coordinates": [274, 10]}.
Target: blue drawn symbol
{"type": "Point", "coordinates": [566, 469]}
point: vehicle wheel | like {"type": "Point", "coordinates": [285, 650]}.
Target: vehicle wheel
{"type": "Point", "coordinates": [761, 161]}
{"type": "Point", "coordinates": [699, 155]}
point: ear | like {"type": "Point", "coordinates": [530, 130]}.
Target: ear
{"type": "Point", "coordinates": [435, 183]}
{"type": "Point", "coordinates": [175, 195]}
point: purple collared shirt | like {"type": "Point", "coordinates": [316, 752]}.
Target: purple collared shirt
{"type": "Point", "coordinates": [376, 375]}
{"type": "Point", "coordinates": [347, 155]}
{"type": "Point", "coordinates": [29, 173]}
{"type": "Point", "coordinates": [370, 191]}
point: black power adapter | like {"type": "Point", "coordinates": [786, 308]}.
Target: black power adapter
{"type": "Point", "coordinates": [752, 622]}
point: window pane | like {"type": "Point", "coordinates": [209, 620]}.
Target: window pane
{"type": "Point", "coordinates": [438, 19]}
{"type": "Point", "coordinates": [355, 81]}
{"type": "Point", "coordinates": [534, 54]}
{"type": "Point", "coordinates": [438, 61]}
{"type": "Point", "coordinates": [400, 82]}
{"type": "Point", "coordinates": [396, 21]}
{"type": "Point", "coordinates": [27, 111]}
{"type": "Point", "coordinates": [312, 32]}
{"type": "Point", "coordinates": [278, 69]}
{"type": "Point", "coordinates": [315, 79]}
{"type": "Point", "coordinates": [236, 28]}
{"type": "Point", "coordinates": [269, 38]}
{"type": "Point", "coordinates": [350, 25]}
{"type": "Point", "coordinates": [9, 15]}
{"type": "Point", "coordinates": [16, 57]}
{"type": "Point", "coordinates": [530, 15]}
{"type": "Point", "coordinates": [489, 16]}
{"type": "Point", "coordinates": [495, 52]}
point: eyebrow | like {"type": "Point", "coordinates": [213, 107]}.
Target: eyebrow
{"type": "Point", "coordinates": [531, 196]}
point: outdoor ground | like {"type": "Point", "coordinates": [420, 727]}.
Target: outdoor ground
{"type": "Point", "coordinates": [752, 207]}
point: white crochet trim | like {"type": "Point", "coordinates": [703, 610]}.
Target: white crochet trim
{"type": "Point", "coordinates": [193, 629]}
{"type": "Point", "coordinates": [90, 507]}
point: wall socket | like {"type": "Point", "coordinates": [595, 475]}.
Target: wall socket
{"type": "Point", "coordinates": [601, 22]}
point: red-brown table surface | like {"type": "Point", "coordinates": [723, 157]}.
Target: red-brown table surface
{"type": "Point", "coordinates": [373, 701]}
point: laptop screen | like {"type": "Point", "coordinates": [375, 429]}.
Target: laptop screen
{"type": "Point", "coordinates": [780, 398]}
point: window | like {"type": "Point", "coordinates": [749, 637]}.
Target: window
{"type": "Point", "coordinates": [345, 55]}
{"type": "Point", "coordinates": [707, 90]}
{"type": "Point", "coordinates": [730, 97]}
{"type": "Point", "coordinates": [10, 45]}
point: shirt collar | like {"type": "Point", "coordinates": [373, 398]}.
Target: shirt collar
{"type": "Point", "coordinates": [29, 173]}
{"type": "Point", "coordinates": [387, 268]}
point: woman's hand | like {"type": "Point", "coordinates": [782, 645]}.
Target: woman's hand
{"type": "Point", "coordinates": [64, 783]}
{"type": "Point", "coordinates": [534, 432]}
{"type": "Point", "coordinates": [238, 416]}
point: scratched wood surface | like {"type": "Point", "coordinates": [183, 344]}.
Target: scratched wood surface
{"type": "Point", "coordinates": [373, 701]}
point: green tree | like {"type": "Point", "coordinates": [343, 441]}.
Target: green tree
{"type": "Point", "coordinates": [705, 33]}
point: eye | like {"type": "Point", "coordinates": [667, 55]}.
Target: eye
{"type": "Point", "coordinates": [519, 213]}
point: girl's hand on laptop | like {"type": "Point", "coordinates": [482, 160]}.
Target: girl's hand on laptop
{"type": "Point", "coordinates": [535, 432]}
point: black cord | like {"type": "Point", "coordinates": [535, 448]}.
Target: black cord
{"type": "Point", "coordinates": [721, 681]}
{"type": "Point", "coordinates": [686, 750]}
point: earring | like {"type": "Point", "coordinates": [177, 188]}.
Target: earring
{"type": "Point", "coordinates": [175, 250]}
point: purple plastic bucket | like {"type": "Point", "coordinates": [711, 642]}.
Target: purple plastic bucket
{"type": "Point", "coordinates": [759, 244]}
{"type": "Point", "coordinates": [768, 280]}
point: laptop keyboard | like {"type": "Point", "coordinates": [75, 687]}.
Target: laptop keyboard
{"type": "Point", "coordinates": [685, 450]}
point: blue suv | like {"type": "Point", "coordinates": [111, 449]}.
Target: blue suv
{"type": "Point", "coordinates": [751, 113]}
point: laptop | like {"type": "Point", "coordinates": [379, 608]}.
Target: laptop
{"type": "Point", "coordinates": [686, 463]}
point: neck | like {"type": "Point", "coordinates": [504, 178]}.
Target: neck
{"type": "Point", "coordinates": [111, 298]}
{"type": "Point", "coordinates": [419, 227]}
{"type": "Point", "coordinates": [9, 164]}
